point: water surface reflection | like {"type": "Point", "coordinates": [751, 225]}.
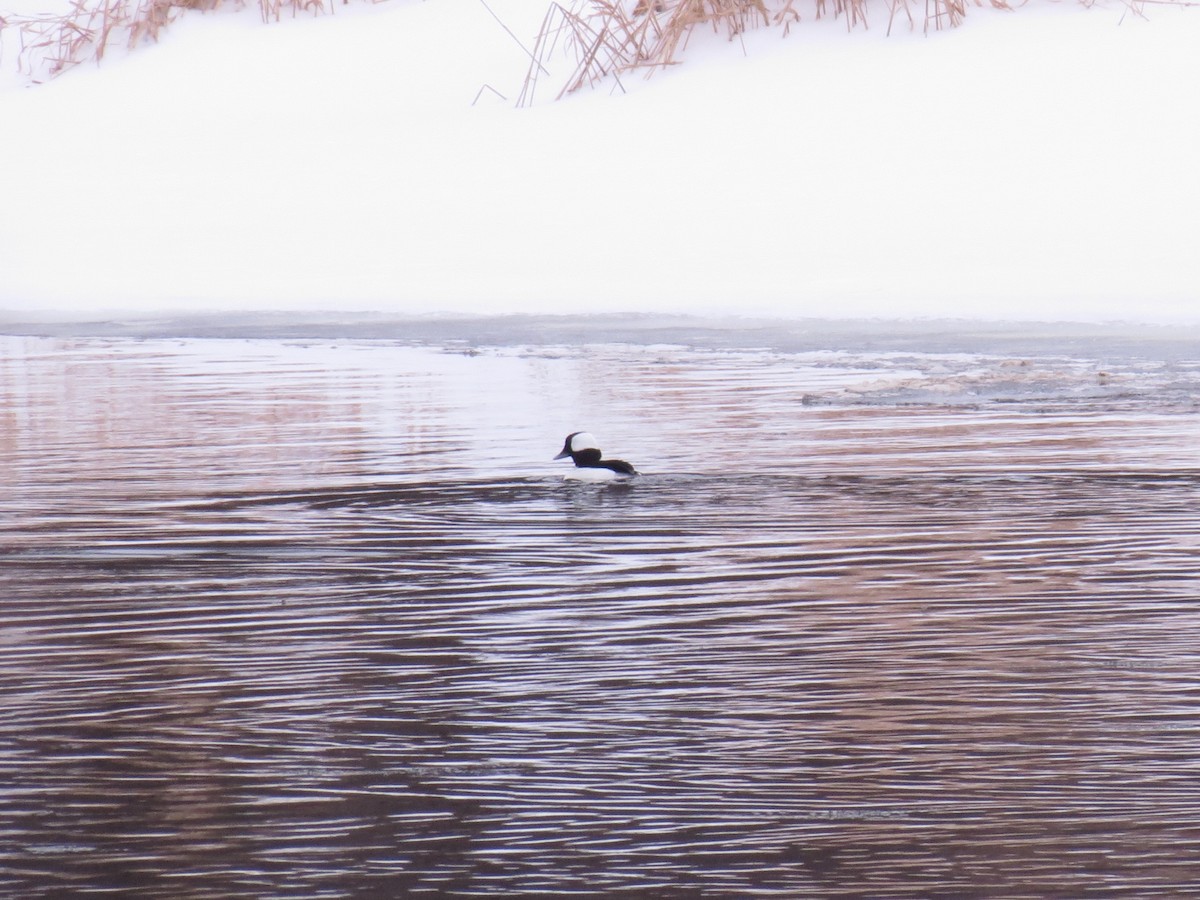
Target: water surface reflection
{"type": "Point", "coordinates": [320, 619]}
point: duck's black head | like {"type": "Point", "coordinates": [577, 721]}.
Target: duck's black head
{"type": "Point", "coordinates": [582, 449]}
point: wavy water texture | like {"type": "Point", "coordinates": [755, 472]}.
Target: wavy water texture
{"type": "Point", "coordinates": [319, 618]}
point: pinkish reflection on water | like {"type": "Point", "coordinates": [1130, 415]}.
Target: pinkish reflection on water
{"type": "Point", "coordinates": [319, 618]}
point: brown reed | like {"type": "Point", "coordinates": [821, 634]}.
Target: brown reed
{"type": "Point", "coordinates": [612, 37]}
{"type": "Point", "coordinates": [607, 38]}
{"type": "Point", "coordinates": [51, 44]}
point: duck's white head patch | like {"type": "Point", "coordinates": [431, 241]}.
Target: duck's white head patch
{"type": "Point", "coordinates": [583, 441]}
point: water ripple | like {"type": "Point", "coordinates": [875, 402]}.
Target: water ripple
{"type": "Point", "coordinates": [310, 620]}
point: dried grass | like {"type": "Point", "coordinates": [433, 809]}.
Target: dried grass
{"type": "Point", "coordinates": [608, 38]}
{"type": "Point", "coordinates": [50, 44]}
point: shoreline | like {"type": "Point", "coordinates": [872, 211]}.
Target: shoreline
{"type": "Point", "coordinates": [772, 334]}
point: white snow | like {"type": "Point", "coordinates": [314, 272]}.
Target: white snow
{"type": "Point", "coordinates": [1038, 164]}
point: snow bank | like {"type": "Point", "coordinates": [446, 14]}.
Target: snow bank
{"type": "Point", "coordinates": [1031, 164]}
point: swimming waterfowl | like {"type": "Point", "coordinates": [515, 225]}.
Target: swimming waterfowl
{"type": "Point", "coordinates": [590, 464]}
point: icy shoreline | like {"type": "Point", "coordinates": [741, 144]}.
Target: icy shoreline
{"type": "Point", "coordinates": [1124, 339]}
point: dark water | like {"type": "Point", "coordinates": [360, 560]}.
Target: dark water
{"type": "Point", "coordinates": [318, 618]}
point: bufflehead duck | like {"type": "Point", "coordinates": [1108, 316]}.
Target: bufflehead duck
{"type": "Point", "coordinates": [589, 466]}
